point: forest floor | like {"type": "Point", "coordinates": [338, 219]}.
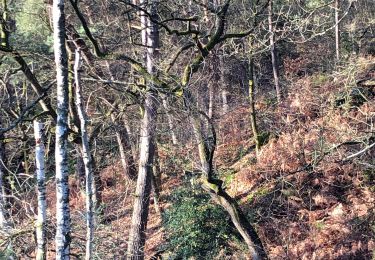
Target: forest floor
{"type": "Point", "coordinates": [305, 198]}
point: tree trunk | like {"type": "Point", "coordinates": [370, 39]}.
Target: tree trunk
{"type": "Point", "coordinates": [143, 188]}
{"type": "Point", "coordinates": [4, 34]}
{"type": "Point", "coordinates": [4, 223]}
{"type": "Point", "coordinates": [239, 220]}
{"type": "Point", "coordinates": [210, 100]}
{"type": "Point", "coordinates": [337, 29]}
{"type": "Point", "coordinates": [214, 186]}
{"type": "Point", "coordinates": [41, 184]}
{"type": "Point", "coordinates": [87, 158]}
{"type": "Point", "coordinates": [97, 189]}
{"type": "Point", "coordinates": [275, 68]}
{"type": "Point", "coordinates": [170, 121]}
{"type": "Point", "coordinates": [224, 97]}
{"type": "Point", "coordinates": [156, 180]}
{"type": "Point", "coordinates": [253, 121]}
{"type": "Point", "coordinates": [142, 194]}
{"type": "Point", "coordinates": [61, 153]}
{"type": "Point", "coordinates": [125, 149]}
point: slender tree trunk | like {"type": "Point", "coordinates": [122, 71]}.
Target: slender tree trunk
{"type": "Point", "coordinates": [156, 180]}
{"type": "Point", "coordinates": [97, 189]}
{"type": "Point", "coordinates": [224, 97]}
{"type": "Point", "coordinates": [142, 194]}
{"type": "Point", "coordinates": [87, 158]}
{"type": "Point", "coordinates": [143, 188]}
{"type": "Point", "coordinates": [275, 68]}
{"type": "Point", "coordinates": [253, 121]}
{"type": "Point", "coordinates": [4, 223]}
{"type": "Point", "coordinates": [61, 154]}
{"type": "Point", "coordinates": [41, 184]}
{"type": "Point", "coordinates": [210, 100]}
{"type": "Point", "coordinates": [4, 34]}
{"type": "Point", "coordinates": [170, 121]}
{"type": "Point", "coordinates": [337, 29]}
{"type": "Point", "coordinates": [125, 149]}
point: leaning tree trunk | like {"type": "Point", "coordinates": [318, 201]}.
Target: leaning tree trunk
{"type": "Point", "coordinates": [41, 184]}
{"type": "Point", "coordinates": [143, 189]}
{"type": "Point", "coordinates": [61, 154]}
{"type": "Point", "coordinates": [87, 158]}
{"type": "Point", "coordinates": [220, 196]}
{"type": "Point", "coordinates": [275, 68]}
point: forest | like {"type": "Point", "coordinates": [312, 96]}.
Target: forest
{"type": "Point", "coordinates": [200, 129]}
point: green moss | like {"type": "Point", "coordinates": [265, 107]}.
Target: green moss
{"type": "Point", "coordinates": [319, 80]}
{"type": "Point", "coordinates": [263, 191]}
{"type": "Point", "coordinates": [319, 225]}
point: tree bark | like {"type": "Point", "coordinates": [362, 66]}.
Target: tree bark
{"type": "Point", "coordinates": [41, 191]}
{"type": "Point", "coordinates": [210, 100]}
{"type": "Point", "coordinates": [337, 29]}
{"type": "Point", "coordinates": [224, 97]}
{"type": "Point", "coordinates": [275, 68]}
{"type": "Point", "coordinates": [4, 223]}
{"type": "Point", "coordinates": [87, 158]}
{"type": "Point", "coordinates": [125, 149]}
{"type": "Point", "coordinates": [170, 121]}
{"type": "Point", "coordinates": [4, 34]}
{"type": "Point", "coordinates": [143, 189]}
{"type": "Point", "coordinates": [239, 220]}
{"type": "Point", "coordinates": [214, 188]}
{"type": "Point", "coordinates": [253, 121]}
{"type": "Point", "coordinates": [61, 154]}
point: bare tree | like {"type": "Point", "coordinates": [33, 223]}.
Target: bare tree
{"type": "Point", "coordinates": [275, 68]}
{"type": "Point", "coordinates": [4, 224]}
{"type": "Point", "coordinates": [61, 153]}
{"type": "Point", "coordinates": [41, 186]}
{"type": "Point", "coordinates": [147, 142]}
{"type": "Point", "coordinates": [87, 158]}
{"type": "Point", "coordinates": [337, 29]}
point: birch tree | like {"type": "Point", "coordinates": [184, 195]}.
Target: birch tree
{"type": "Point", "coordinates": [147, 149]}
{"type": "Point", "coordinates": [87, 158]}
{"type": "Point", "coordinates": [41, 191]}
{"type": "Point", "coordinates": [61, 154]}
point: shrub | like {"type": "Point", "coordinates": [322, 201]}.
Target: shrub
{"type": "Point", "coordinates": [195, 226]}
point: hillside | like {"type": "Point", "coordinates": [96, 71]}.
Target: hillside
{"type": "Point", "coordinates": [307, 198]}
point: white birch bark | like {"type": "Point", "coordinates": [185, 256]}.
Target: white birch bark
{"type": "Point", "coordinates": [87, 159]}
{"type": "Point", "coordinates": [41, 191]}
{"type": "Point", "coordinates": [61, 156]}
